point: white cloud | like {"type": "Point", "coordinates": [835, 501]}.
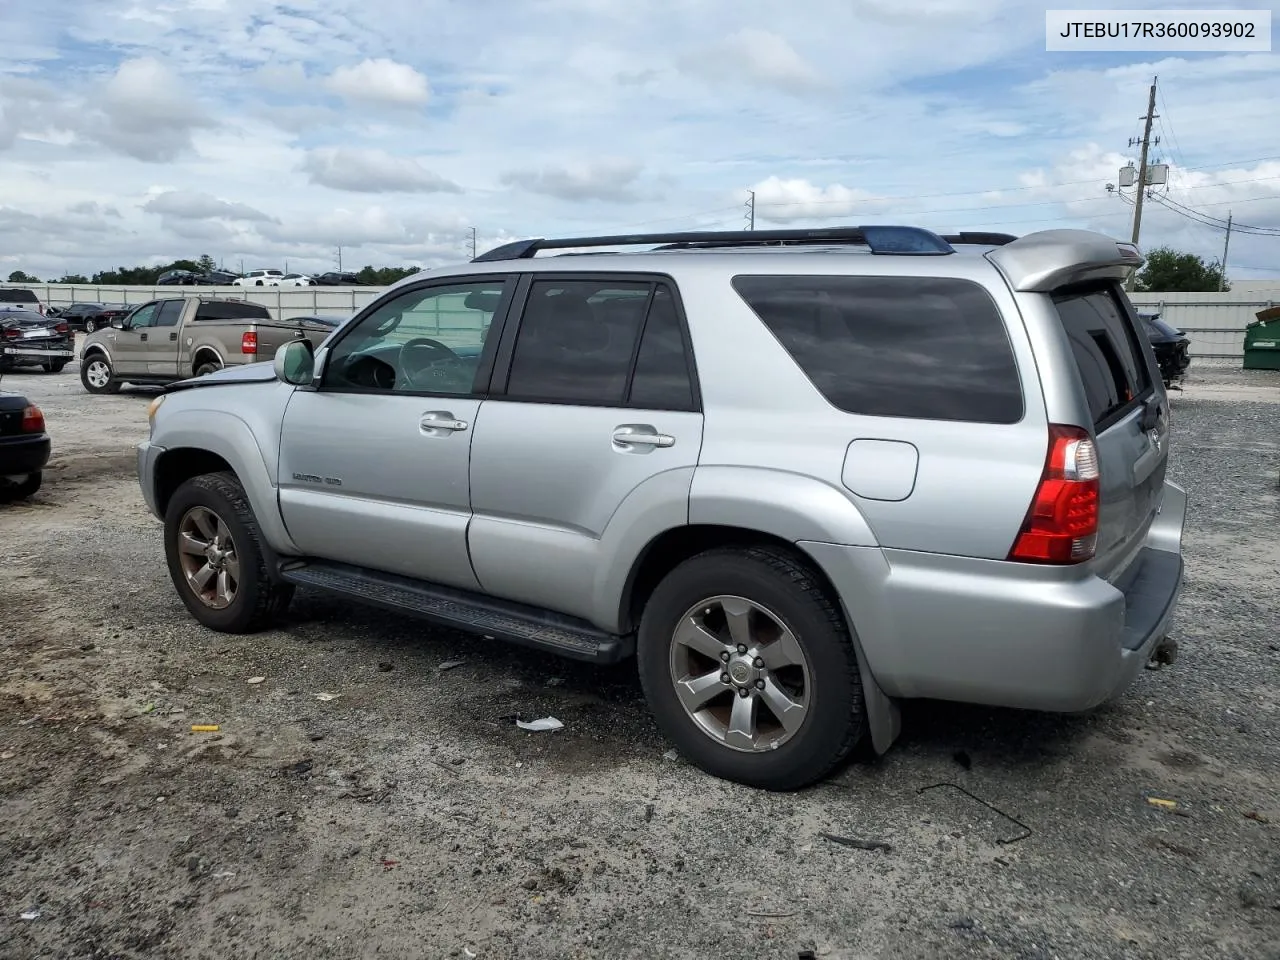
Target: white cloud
{"type": "Point", "coordinates": [380, 81]}
{"type": "Point", "coordinates": [372, 171]}
{"type": "Point", "coordinates": [783, 201]}
{"type": "Point", "coordinates": [194, 205]}
{"type": "Point", "coordinates": [756, 55]}
{"type": "Point", "coordinates": [609, 179]}
{"type": "Point", "coordinates": [149, 114]}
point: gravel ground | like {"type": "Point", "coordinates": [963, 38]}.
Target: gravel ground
{"type": "Point", "coordinates": [408, 817]}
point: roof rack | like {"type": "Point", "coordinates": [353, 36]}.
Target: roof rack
{"type": "Point", "coordinates": [985, 239]}
{"type": "Point", "coordinates": [908, 241]}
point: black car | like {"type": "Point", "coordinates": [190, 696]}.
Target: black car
{"type": "Point", "coordinates": [91, 316]}
{"type": "Point", "coordinates": [1172, 347]}
{"type": "Point", "coordinates": [184, 278]}
{"type": "Point", "coordinates": [30, 340]}
{"type": "Point", "coordinates": [335, 279]}
{"type": "Point", "coordinates": [221, 278]}
{"type": "Point", "coordinates": [24, 447]}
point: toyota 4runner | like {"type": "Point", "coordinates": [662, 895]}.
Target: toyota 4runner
{"type": "Point", "coordinates": [798, 475]}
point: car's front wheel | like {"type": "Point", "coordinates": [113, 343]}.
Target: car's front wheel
{"type": "Point", "coordinates": [90, 326]}
{"type": "Point", "coordinates": [97, 376]}
{"type": "Point", "coordinates": [215, 556]}
{"type": "Point", "coordinates": [749, 668]}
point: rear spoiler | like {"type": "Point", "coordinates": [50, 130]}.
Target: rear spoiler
{"type": "Point", "coordinates": [1048, 259]}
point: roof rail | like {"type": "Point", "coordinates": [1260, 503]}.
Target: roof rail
{"type": "Point", "coordinates": [979, 237]}
{"type": "Point", "coordinates": [882, 239]}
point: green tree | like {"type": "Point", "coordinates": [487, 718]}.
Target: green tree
{"type": "Point", "coordinates": [19, 277]}
{"type": "Point", "coordinates": [1168, 271]}
{"type": "Point", "coordinates": [384, 276]}
{"type": "Point", "coordinates": [73, 278]}
{"type": "Point", "coordinates": [207, 263]}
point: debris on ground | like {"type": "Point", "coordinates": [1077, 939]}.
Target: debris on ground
{"type": "Point", "coordinates": [386, 667]}
{"type": "Point", "coordinates": [256, 680]}
{"type": "Point", "coordinates": [857, 842]}
{"type": "Point", "coordinates": [205, 728]}
{"type": "Point", "coordinates": [1163, 803]}
{"type": "Point", "coordinates": [671, 754]}
{"type": "Point", "coordinates": [540, 726]}
{"type": "Point", "coordinates": [326, 697]}
{"type": "Point", "coordinates": [450, 665]}
{"type": "Point", "coordinates": [1255, 816]}
{"type": "Point", "coordinates": [389, 864]}
{"type": "Point", "coordinates": [1026, 831]}
{"type": "Point", "coordinates": [30, 915]}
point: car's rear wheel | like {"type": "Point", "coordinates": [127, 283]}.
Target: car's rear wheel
{"type": "Point", "coordinates": [215, 556]}
{"type": "Point", "coordinates": [20, 489]}
{"type": "Point", "coordinates": [749, 668]}
{"type": "Point", "coordinates": [205, 367]}
{"type": "Point", "coordinates": [97, 375]}
{"type": "Point", "coordinates": [55, 366]}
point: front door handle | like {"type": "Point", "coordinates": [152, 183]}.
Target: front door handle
{"type": "Point", "coordinates": [173, 336]}
{"type": "Point", "coordinates": [434, 422]}
{"type": "Point", "coordinates": [641, 435]}
{"type": "Point", "coordinates": [142, 337]}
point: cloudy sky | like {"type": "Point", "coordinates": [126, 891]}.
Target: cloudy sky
{"type": "Point", "coordinates": [143, 130]}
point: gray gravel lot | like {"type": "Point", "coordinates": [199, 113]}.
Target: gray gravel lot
{"type": "Point", "coordinates": [408, 818]}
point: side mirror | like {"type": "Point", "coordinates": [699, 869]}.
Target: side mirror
{"type": "Point", "coordinates": [295, 363]}
{"type": "Point", "coordinates": [118, 323]}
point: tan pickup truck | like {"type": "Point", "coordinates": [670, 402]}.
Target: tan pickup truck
{"type": "Point", "coordinates": [180, 337]}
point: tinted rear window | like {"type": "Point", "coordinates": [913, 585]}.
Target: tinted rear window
{"type": "Point", "coordinates": [226, 310]}
{"type": "Point", "coordinates": [18, 296]}
{"type": "Point", "coordinates": [1113, 368]}
{"type": "Point", "coordinates": [926, 348]}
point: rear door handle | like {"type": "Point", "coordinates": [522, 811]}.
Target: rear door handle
{"type": "Point", "coordinates": [173, 336]}
{"type": "Point", "coordinates": [142, 336]}
{"type": "Point", "coordinates": [641, 435]}
{"type": "Point", "coordinates": [442, 420]}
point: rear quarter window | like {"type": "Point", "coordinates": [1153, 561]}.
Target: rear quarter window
{"type": "Point", "coordinates": [18, 296]}
{"type": "Point", "coordinates": [226, 310]}
{"type": "Point", "coordinates": [1106, 347]}
{"type": "Point", "coordinates": [924, 348]}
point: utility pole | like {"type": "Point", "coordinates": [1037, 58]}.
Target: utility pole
{"type": "Point", "coordinates": [1142, 174]}
{"type": "Point", "coordinates": [751, 209]}
{"type": "Point", "coordinates": [473, 243]}
{"type": "Point", "coordinates": [1226, 245]}
{"type": "Point", "coordinates": [339, 259]}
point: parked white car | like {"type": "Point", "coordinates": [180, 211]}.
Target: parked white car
{"type": "Point", "coordinates": [260, 278]}
{"type": "Point", "coordinates": [295, 280]}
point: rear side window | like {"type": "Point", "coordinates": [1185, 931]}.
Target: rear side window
{"type": "Point", "coordinates": [18, 296]}
{"type": "Point", "coordinates": [1108, 354]}
{"type": "Point", "coordinates": [170, 313]}
{"type": "Point", "coordinates": [230, 310]}
{"type": "Point", "coordinates": [925, 348]}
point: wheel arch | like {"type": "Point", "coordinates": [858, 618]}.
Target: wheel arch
{"type": "Point", "coordinates": [672, 547]}
{"type": "Point", "coordinates": [205, 350]}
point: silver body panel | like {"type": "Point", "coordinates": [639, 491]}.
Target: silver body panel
{"type": "Point", "coordinates": [910, 520]}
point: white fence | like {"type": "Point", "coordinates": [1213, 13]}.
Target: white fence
{"type": "Point", "coordinates": [1215, 322]}
{"type": "Point", "coordinates": [283, 302]}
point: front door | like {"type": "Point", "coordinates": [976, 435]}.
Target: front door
{"type": "Point", "coordinates": [162, 339]}
{"type": "Point", "coordinates": [374, 462]}
{"type": "Point", "coordinates": [129, 347]}
{"type": "Point", "coordinates": [599, 424]}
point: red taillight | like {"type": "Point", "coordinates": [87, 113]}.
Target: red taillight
{"type": "Point", "coordinates": [13, 333]}
{"type": "Point", "coordinates": [40, 307]}
{"type": "Point", "coordinates": [62, 328]}
{"type": "Point", "coordinates": [1062, 524]}
{"type": "Point", "coordinates": [249, 342]}
{"type": "Point", "coordinates": [32, 420]}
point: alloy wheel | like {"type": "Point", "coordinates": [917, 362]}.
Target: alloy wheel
{"type": "Point", "coordinates": [207, 555]}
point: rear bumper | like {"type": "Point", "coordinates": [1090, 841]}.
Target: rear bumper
{"type": "Point", "coordinates": [1006, 634]}
{"type": "Point", "coordinates": [20, 456]}
{"type": "Point", "coordinates": [34, 354]}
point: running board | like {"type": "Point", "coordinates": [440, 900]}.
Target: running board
{"type": "Point", "coordinates": [463, 610]}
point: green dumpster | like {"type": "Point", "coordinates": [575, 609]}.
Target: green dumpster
{"type": "Point", "coordinates": [1262, 341]}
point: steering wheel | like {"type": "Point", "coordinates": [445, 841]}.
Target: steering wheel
{"type": "Point", "coordinates": [420, 354]}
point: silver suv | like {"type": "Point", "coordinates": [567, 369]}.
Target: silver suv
{"type": "Point", "coordinates": [800, 476]}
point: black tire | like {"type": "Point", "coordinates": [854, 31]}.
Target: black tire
{"type": "Point", "coordinates": [206, 367]}
{"type": "Point", "coordinates": [90, 326]}
{"type": "Point", "coordinates": [89, 367]}
{"type": "Point", "coordinates": [258, 600]}
{"type": "Point", "coordinates": [779, 581]}
{"type": "Point", "coordinates": [56, 366]}
{"type": "Point", "coordinates": [21, 490]}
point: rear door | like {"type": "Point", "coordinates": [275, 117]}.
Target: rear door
{"type": "Point", "coordinates": [162, 341]}
{"type": "Point", "coordinates": [1115, 367]}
